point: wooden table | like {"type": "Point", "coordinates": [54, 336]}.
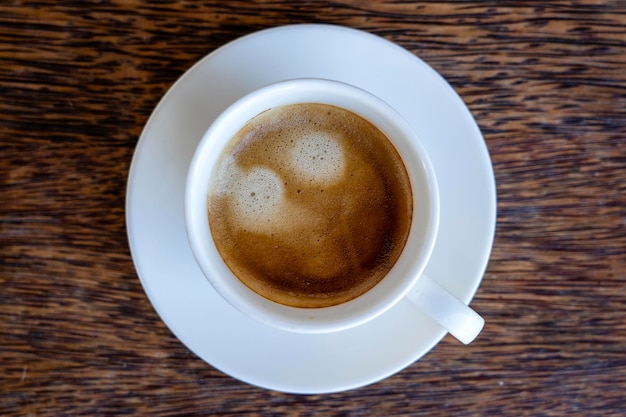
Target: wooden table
{"type": "Point", "coordinates": [547, 85]}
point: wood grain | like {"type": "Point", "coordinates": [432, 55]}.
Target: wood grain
{"type": "Point", "coordinates": [546, 82]}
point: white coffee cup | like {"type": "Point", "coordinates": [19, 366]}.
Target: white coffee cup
{"type": "Point", "coordinates": [405, 280]}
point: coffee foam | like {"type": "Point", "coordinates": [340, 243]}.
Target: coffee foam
{"type": "Point", "coordinates": [257, 197]}
{"type": "Point", "coordinates": [310, 205]}
{"type": "Point", "coordinates": [316, 157]}
{"type": "Point", "coordinates": [258, 202]}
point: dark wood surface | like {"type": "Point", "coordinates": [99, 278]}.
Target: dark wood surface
{"type": "Point", "coordinates": [546, 82]}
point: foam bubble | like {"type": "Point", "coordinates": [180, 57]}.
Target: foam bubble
{"type": "Point", "coordinates": [317, 157]}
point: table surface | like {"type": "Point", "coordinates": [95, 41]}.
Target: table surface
{"type": "Point", "coordinates": [547, 86]}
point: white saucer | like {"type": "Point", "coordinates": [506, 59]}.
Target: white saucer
{"type": "Point", "coordinates": [184, 299]}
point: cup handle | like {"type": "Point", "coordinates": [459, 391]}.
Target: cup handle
{"type": "Point", "coordinates": [448, 311]}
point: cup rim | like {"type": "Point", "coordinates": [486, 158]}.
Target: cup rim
{"type": "Point", "coordinates": [370, 304]}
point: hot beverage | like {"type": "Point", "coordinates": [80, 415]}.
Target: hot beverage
{"type": "Point", "coordinates": [310, 205]}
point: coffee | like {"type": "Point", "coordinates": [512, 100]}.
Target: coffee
{"type": "Point", "coordinates": [310, 205]}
